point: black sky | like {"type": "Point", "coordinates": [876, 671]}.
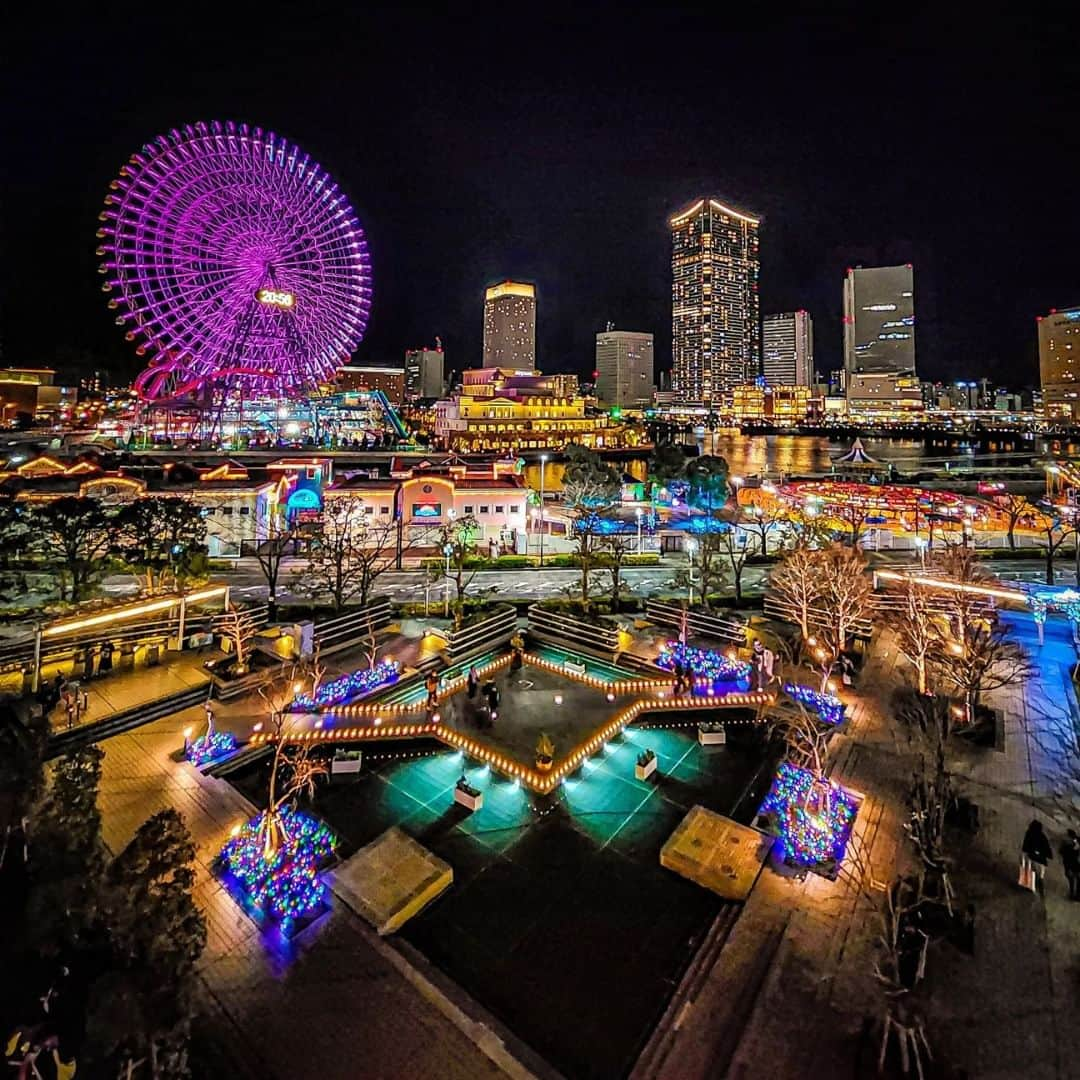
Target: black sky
{"type": "Point", "coordinates": [553, 147]}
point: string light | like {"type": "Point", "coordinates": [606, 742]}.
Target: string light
{"type": "Point", "coordinates": [707, 666]}
{"type": "Point", "coordinates": [827, 708]}
{"type": "Point", "coordinates": [210, 747]}
{"type": "Point", "coordinates": [282, 885]}
{"type": "Point", "coordinates": [350, 686]}
{"type": "Point", "coordinates": [813, 817]}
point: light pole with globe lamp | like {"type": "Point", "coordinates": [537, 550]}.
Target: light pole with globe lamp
{"type": "Point", "coordinates": [637, 514]}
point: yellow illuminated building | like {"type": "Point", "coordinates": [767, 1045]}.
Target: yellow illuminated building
{"type": "Point", "coordinates": [1059, 363]}
{"type": "Point", "coordinates": [776, 404]}
{"type": "Point", "coordinates": [510, 325]}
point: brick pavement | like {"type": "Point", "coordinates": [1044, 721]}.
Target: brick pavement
{"type": "Point", "coordinates": [337, 1006]}
{"type": "Point", "coordinates": [789, 992]}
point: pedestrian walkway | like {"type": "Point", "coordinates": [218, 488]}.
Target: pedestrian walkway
{"type": "Point", "coordinates": [333, 1005]}
{"type": "Point", "coordinates": [122, 690]}
{"type": "Point", "coordinates": [792, 987]}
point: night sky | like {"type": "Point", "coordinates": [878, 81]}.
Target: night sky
{"type": "Point", "coordinates": [553, 149]}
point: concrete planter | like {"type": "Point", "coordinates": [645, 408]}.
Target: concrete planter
{"type": "Point", "coordinates": [346, 764]}
{"type": "Point", "coordinates": [469, 797]}
{"type": "Point", "coordinates": [643, 772]}
{"type": "Point", "coordinates": [711, 735]}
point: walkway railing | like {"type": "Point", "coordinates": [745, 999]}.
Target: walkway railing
{"type": "Point", "coordinates": [665, 613]}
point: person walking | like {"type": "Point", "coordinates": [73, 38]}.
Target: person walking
{"type": "Point", "coordinates": [431, 684]}
{"type": "Point", "coordinates": [1070, 860]}
{"type": "Point", "coordinates": [472, 682]}
{"type": "Point", "coordinates": [1035, 853]}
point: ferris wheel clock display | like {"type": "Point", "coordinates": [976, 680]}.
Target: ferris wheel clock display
{"type": "Point", "coordinates": [236, 264]}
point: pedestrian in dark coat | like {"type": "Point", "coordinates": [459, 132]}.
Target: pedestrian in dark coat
{"type": "Point", "coordinates": [1070, 860]}
{"type": "Point", "coordinates": [472, 682]}
{"type": "Point", "coordinates": [1036, 852]}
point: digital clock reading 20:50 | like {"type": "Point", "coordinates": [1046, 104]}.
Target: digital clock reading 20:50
{"type": "Point", "coordinates": [275, 298]}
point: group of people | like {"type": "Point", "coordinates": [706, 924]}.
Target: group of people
{"type": "Point", "coordinates": [1036, 852]}
{"type": "Point", "coordinates": [64, 692]}
{"type": "Point", "coordinates": [489, 693]}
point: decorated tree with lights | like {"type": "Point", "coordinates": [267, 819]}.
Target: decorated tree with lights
{"type": "Point", "coordinates": [591, 492]}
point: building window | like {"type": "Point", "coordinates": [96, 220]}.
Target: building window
{"type": "Point", "coordinates": [468, 509]}
{"type": "Point", "coordinates": [227, 510]}
{"type": "Point", "coordinates": [245, 509]}
{"type": "Point", "coordinates": [500, 509]}
{"type": "Point", "coordinates": [484, 509]}
{"type": "Point", "coordinates": [515, 509]}
{"type": "Point", "coordinates": [384, 509]}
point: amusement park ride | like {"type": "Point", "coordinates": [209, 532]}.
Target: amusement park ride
{"type": "Point", "coordinates": [239, 267]}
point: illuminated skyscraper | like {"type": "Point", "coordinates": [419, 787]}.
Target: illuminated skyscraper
{"type": "Point", "coordinates": [787, 346]}
{"type": "Point", "coordinates": [624, 368]}
{"type": "Point", "coordinates": [879, 319]}
{"type": "Point", "coordinates": [715, 311]}
{"type": "Point", "coordinates": [510, 325]}
{"type": "Point", "coordinates": [1059, 363]}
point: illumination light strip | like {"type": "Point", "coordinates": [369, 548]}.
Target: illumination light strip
{"type": "Point", "coordinates": [734, 213]}
{"type": "Point", "coordinates": [130, 613]}
{"type": "Point", "coordinates": [953, 586]}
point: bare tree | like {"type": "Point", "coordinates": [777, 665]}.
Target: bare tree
{"type": "Point", "coordinates": [591, 491]}
{"type": "Point", "coordinates": [1015, 507]}
{"type": "Point", "coordinates": [796, 584]}
{"type": "Point", "coordinates": [456, 539]}
{"type": "Point", "coordinates": [977, 658]}
{"type": "Point", "coordinates": [843, 602]}
{"type": "Point", "coordinates": [736, 549]}
{"type": "Point", "coordinates": [1056, 529]}
{"type": "Point", "coordinates": [239, 626]}
{"type": "Point", "coordinates": [805, 737]}
{"type": "Point", "coordinates": [270, 553]}
{"type": "Point", "coordinates": [763, 520]}
{"type": "Point", "coordinates": [918, 631]}
{"type": "Point", "coordinates": [350, 550]}
{"type": "Point", "coordinates": [616, 547]}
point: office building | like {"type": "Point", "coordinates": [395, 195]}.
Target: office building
{"type": "Point", "coordinates": [768, 403]}
{"type": "Point", "coordinates": [787, 348]}
{"type": "Point", "coordinates": [624, 369]}
{"type": "Point", "coordinates": [715, 310]}
{"type": "Point", "coordinates": [388, 380]}
{"type": "Point", "coordinates": [424, 373]}
{"type": "Point", "coordinates": [1059, 363]}
{"type": "Point", "coordinates": [510, 325]}
{"type": "Point", "coordinates": [884, 395]}
{"type": "Point", "coordinates": [879, 319]}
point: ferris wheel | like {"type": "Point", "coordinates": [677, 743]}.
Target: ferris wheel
{"type": "Point", "coordinates": [236, 263]}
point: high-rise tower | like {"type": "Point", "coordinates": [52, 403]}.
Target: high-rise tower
{"type": "Point", "coordinates": [624, 368]}
{"type": "Point", "coordinates": [715, 310]}
{"type": "Point", "coordinates": [510, 325]}
{"type": "Point", "coordinates": [787, 346]}
{"type": "Point", "coordinates": [879, 319]}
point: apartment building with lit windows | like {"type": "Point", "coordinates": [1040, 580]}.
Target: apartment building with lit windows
{"type": "Point", "coordinates": [510, 325]}
{"type": "Point", "coordinates": [787, 347]}
{"type": "Point", "coordinates": [879, 319]}
{"type": "Point", "coordinates": [624, 369]}
{"type": "Point", "coordinates": [715, 308]}
{"type": "Point", "coordinates": [1059, 363]}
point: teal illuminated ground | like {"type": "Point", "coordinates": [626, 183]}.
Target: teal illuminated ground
{"type": "Point", "coordinates": [562, 923]}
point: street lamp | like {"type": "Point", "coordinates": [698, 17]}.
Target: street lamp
{"type": "Point", "coordinates": [637, 514]}
{"type": "Point", "coordinates": [448, 550]}
{"type": "Point", "coordinates": [543, 462]}
{"type": "Point", "coordinates": [691, 547]}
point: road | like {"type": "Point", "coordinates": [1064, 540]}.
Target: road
{"type": "Point", "coordinates": [408, 585]}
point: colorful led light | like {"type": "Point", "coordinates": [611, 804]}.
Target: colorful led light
{"type": "Point", "coordinates": [828, 709]}
{"type": "Point", "coordinates": [707, 667]}
{"type": "Point", "coordinates": [207, 748]}
{"type": "Point", "coordinates": [811, 833]}
{"type": "Point", "coordinates": [350, 686]}
{"type": "Point", "coordinates": [285, 885]}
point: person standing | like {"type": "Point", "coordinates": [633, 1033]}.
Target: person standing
{"type": "Point", "coordinates": [1035, 853]}
{"type": "Point", "coordinates": [105, 663]}
{"type": "Point", "coordinates": [472, 682]}
{"type": "Point", "coordinates": [1070, 860]}
{"type": "Point", "coordinates": [431, 684]}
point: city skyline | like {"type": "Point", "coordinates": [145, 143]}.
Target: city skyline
{"type": "Point", "coordinates": [589, 223]}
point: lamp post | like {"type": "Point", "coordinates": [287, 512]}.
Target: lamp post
{"type": "Point", "coordinates": [543, 462]}
{"type": "Point", "coordinates": [448, 550]}
{"type": "Point", "coordinates": [637, 514]}
{"type": "Point", "coordinates": [691, 547]}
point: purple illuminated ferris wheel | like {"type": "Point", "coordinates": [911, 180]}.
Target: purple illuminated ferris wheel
{"type": "Point", "coordinates": [236, 263]}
